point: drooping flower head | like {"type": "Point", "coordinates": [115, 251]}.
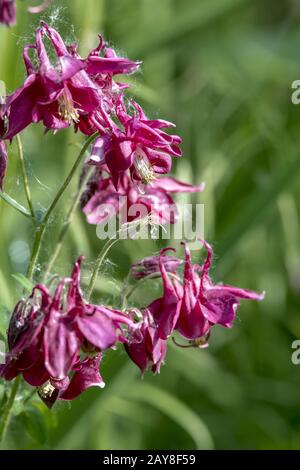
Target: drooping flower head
{"type": "Point", "coordinates": [144, 347]}
{"type": "Point", "coordinates": [102, 200]}
{"type": "Point", "coordinates": [151, 265]}
{"type": "Point", "coordinates": [58, 93]}
{"type": "Point", "coordinates": [142, 147]}
{"type": "Point", "coordinates": [8, 12]}
{"type": "Point", "coordinates": [192, 307]}
{"type": "Point", "coordinates": [54, 337]}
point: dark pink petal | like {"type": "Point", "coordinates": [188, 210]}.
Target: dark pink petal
{"type": "Point", "coordinates": [8, 12]}
{"type": "Point", "coordinates": [99, 150]}
{"type": "Point", "coordinates": [223, 290]}
{"type": "Point", "coordinates": [156, 347]}
{"type": "Point", "coordinates": [136, 350]}
{"type": "Point", "coordinates": [56, 39]}
{"type": "Point", "coordinates": [166, 310]}
{"type": "Point", "coordinates": [20, 108]}
{"type": "Point", "coordinates": [221, 303]}
{"type": "Point", "coordinates": [86, 377]}
{"type": "Point", "coordinates": [74, 294]}
{"type": "Point", "coordinates": [102, 65]}
{"type": "Point", "coordinates": [150, 265]}
{"type": "Point", "coordinates": [102, 206]}
{"type": "Point", "coordinates": [36, 375]}
{"type": "Point", "coordinates": [171, 185]}
{"type": "Point", "coordinates": [70, 66]}
{"type": "Point", "coordinates": [98, 330]}
{"type": "Point", "coordinates": [61, 346]}
{"type": "Point", "coordinates": [192, 322]}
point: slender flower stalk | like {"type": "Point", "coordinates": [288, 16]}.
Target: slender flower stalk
{"type": "Point", "coordinates": [4, 421]}
{"type": "Point", "coordinates": [140, 282]}
{"type": "Point", "coordinates": [67, 222]}
{"type": "Point", "coordinates": [108, 245]}
{"type": "Point", "coordinates": [10, 201]}
{"type": "Point", "coordinates": [43, 225]}
{"type": "Point", "coordinates": [25, 176]}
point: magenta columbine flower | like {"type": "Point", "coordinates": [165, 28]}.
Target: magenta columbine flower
{"type": "Point", "coordinates": [103, 61]}
{"type": "Point", "coordinates": [144, 346]}
{"type": "Point", "coordinates": [151, 265]}
{"type": "Point", "coordinates": [55, 94]}
{"type": "Point", "coordinates": [49, 334]}
{"type": "Point", "coordinates": [8, 12]}
{"type": "Point", "coordinates": [102, 200]}
{"type": "Point", "coordinates": [141, 147]}
{"type": "Point", "coordinates": [58, 94]}
{"type": "Point", "coordinates": [3, 162]}
{"type": "Point", "coordinates": [195, 306]}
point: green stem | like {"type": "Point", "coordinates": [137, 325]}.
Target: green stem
{"type": "Point", "coordinates": [68, 221]}
{"type": "Point", "coordinates": [25, 177]}
{"type": "Point", "coordinates": [8, 407]}
{"type": "Point", "coordinates": [124, 228]}
{"type": "Point", "coordinates": [40, 230]}
{"type": "Point", "coordinates": [98, 264]}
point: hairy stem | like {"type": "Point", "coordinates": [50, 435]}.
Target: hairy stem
{"type": "Point", "coordinates": [67, 222]}
{"type": "Point", "coordinates": [125, 228]}
{"type": "Point", "coordinates": [40, 231]}
{"type": "Point", "coordinates": [25, 176]}
{"type": "Point", "coordinates": [98, 264]}
{"type": "Point", "coordinates": [8, 407]}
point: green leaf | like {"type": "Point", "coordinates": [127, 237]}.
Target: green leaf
{"type": "Point", "coordinates": [15, 204]}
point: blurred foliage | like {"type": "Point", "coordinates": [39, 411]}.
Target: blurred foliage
{"type": "Point", "coordinates": [222, 70]}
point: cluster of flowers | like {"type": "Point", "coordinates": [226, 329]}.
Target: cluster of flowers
{"type": "Point", "coordinates": [8, 11]}
{"type": "Point", "coordinates": [56, 337]}
{"type": "Point", "coordinates": [56, 340]}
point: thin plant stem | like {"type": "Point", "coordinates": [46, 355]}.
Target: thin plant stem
{"type": "Point", "coordinates": [40, 230]}
{"type": "Point", "coordinates": [98, 264]}
{"type": "Point", "coordinates": [25, 177]}
{"type": "Point", "coordinates": [108, 245]}
{"type": "Point", "coordinates": [67, 222]}
{"type": "Point", "coordinates": [8, 407]}
{"type": "Point", "coordinates": [140, 282]}
{"type": "Point", "coordinates": [126, 227]}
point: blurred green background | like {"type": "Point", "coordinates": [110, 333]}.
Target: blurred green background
{"type": "Point", "coordinates": [222, 70]}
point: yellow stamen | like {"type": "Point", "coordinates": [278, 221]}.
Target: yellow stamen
{"type": "Point", "coordinates": [46, 390]}
{"type": "Point", "coordinates": [143, 167]}
{"type": "Point", "coordinates": [66, 109]}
